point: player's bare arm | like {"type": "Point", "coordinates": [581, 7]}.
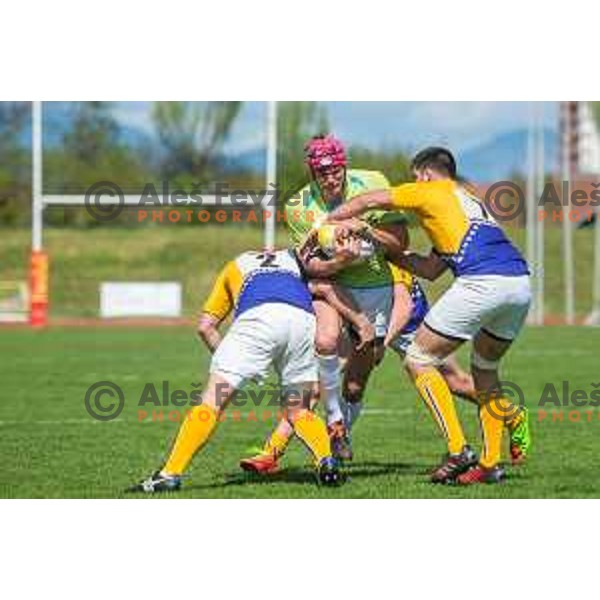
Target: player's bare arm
{"type": "Point", "coordinates": [377, 200]}
{"type": "Point", "coordinates": [335, 296]}
{"type": "Point", "coordinates": [427, 267]}
{"type": "Point", "coordinates": [392, 237]}
{"type": "Point", "coordinates": [208, 331]}
{"type": "Point", "coordinates": [400, 315]}
{"type": "Point", "coordinates": [347, 251]}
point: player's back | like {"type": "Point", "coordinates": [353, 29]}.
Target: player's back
{"type": "Point", "coordinates": [271, 277]}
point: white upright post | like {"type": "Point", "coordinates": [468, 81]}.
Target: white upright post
{"type": "Point", "coordinates": [38, 268]}
{"type": "Point", "coordinates": [531, 213]}
{"type": "Point", "coordinates": [592, 158]}
{"type": "Point", "coordinates": [539, 238]}
{"type": "Point", "coordinates": [567, 228]}
{"type": "Point", "coordinates": [37, 207]}
{"type": "Point", "coordinates": [269, 241]}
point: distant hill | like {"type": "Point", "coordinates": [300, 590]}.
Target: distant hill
{"type": "Point", "coordinates": [494, 160]}
{"type": "Point", "coordinates": [504, 155]}
{"type": "Point", "coordinates": [252, 160]}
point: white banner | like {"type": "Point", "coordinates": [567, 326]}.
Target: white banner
{"type": "Point", "coordinates": [134, 299]}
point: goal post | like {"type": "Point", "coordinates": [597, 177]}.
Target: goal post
{"type": "Point", "coordinates": [571, 135]}
{"type": "Point", "coordinates": [38, 266]}
{"type": "Point", "coordinates": [593, 318]}
{"type": "Point", "coordinates": [39, 261]}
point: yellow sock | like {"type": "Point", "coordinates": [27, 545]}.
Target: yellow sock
{"type": "Point", "coordinates": [278, 441]}
{"type": "Point", "coordinates": [194, 432]}
{"type": "Point", "coordinates": [492, 418]}
{"type": "Point", "coordinates": [501, 407]}
{"type": "Point", "coordinates": [434, 390]}
{"type": "Point", "coordinates": [310, 428]}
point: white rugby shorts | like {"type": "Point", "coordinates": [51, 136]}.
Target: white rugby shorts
{"type": "Point", "coordinates": [271, 334]}
{"type": "Point", "coordinates": [494, 303]}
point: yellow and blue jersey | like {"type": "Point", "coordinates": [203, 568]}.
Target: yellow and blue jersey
{"type": "Point", "coordinates": [420, 305]}
{"type": "Point", "coordinates": [461, 231]}
{"type": "Point", "coordinates": [255, 278]}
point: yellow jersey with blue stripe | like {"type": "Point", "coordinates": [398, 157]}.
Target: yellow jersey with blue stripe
{"type": "Point", "coordinates": [255, 278]}
{"type": "Point", "coordinates": [461, 230]}
{"type": "Point", "coordinates": [420, 305]}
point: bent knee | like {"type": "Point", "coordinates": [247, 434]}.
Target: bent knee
{"type": "Point", "coordinates": [480, 363]}
{"type": "Point", "coordinates": [326, 340]}
{"type": "Point", "coordinates": [417, 359]}
{"type": "Point", "coordinates": [354, 392]}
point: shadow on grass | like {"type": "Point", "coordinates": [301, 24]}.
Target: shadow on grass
{"type": "Point", "coordinates": [374, 468]}
{"type": "Point", "coordinates": [304, 475]}
{"type": "Point", "coordinates": [293, 475]}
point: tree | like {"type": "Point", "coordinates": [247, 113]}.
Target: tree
{"type": "Point", "coordinates": [15, 165]}
{"type": "Point", "coordinates": [192, 134]}
{"type": "Point", "coordinates": [93, 134]}
{"type": "Point", "coordinates": [91, 149]}
{"type": "Point", "coordinates": [595, 106]}
{"type": "Point", "coordinates": [13, 119]}
{"type": "Point", "coordinates": [296, 123]}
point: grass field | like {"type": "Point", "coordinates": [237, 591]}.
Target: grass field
{"type": "Point", "coordinates": [51, 447]}
{"type": "Point", "coordinates": [81, 259]}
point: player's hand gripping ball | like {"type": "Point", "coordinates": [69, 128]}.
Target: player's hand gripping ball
{"type": "Point", "coordinates": [330, 236]}
{"type": "Point", "coordinates": [327, 238]}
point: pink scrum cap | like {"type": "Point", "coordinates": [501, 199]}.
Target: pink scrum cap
{"type": "Point", "coordinates": [326, 151]}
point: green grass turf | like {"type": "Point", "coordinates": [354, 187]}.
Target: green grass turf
{"type": "Point", "coordinates": [50, 447]}
{"type": "Point", "coordinates": [80, 260]}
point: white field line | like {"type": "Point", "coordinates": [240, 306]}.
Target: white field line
{"type": "Point", "coordinates": [90, 421]}
{"type": "Point", "coordinates": [242, 415]}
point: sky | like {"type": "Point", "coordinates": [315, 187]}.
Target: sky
{"type": "Point", "coordinates": [398, 125]}
{"type": "Point", "coordinates": [488, 138]}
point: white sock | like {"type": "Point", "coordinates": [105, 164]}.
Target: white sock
{"type": "Point", "coordinates": [353, 410]}
{"type": "Point", "coordinates": [330, 380]}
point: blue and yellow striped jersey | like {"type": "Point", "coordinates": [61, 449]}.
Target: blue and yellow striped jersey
{"type": "Point", "coordinates": [255, 278]}
{"type": "Point", "coordinates": [461, 230]}
{"type": "Point", "coordinates": [420, 304]}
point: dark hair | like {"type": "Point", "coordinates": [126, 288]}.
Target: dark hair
{"type": "Point", "coordinates": [437, 159]}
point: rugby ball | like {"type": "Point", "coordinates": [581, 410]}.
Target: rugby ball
{"type": "Point", "coordinates": [326, 236]}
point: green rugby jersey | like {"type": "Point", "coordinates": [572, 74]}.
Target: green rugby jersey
{"type": "Point", "coordinates": [307, 208]}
